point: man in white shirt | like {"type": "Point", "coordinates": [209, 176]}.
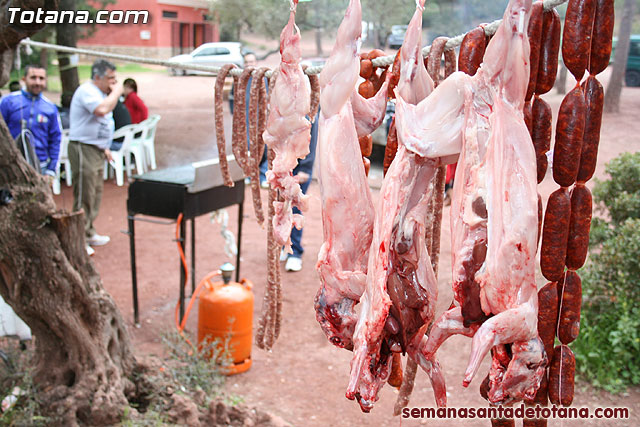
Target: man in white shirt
{"type": "Point", "coordinates": [90, 133]}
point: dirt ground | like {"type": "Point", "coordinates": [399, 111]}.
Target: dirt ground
{"type": "Point", "coordinates": [304, 378]}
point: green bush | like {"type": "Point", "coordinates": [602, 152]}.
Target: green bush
{"type": "Point", "coordinates": [608, 347]}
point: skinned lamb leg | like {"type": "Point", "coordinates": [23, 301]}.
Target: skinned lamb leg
{"type": "Point", "coordinates": [288, 131]}
{"type": "Point", "coordinates": [347, 207]}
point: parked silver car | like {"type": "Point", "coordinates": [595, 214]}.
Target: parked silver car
{"type": "Point", "coordinates": [210, 54]}
{"type": "Point", "coordinates": [395, 39]}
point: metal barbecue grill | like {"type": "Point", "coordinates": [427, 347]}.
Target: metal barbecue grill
{"type": "Point", "coordinates": [191, 190]}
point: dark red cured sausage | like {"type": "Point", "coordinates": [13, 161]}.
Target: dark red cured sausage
{"type": "Point", "coordinates": [549, 48]}
{"type": "Point", "coordinates": [472, 51]}
{"type": "Point", "coordinates": [392, 146]}
{"type": "Point", "coordinates": [561, 376]}
{"type": "Point", "coordinates": [594, 97]}
{"type": "Point", "coordinates": [535, 39]}
{"type": "Point", "coordinates": [576, 37]}
{"type": "Point", "coordinates": [366, 68]}
{"type": "Point", "coordinates": [541, 125]}
{"type": "Point", "coordinates": [569, 134]}
{"type": "Point", "coordinates": [602, 36]}
{"type": "Point", "coordinates": [527, 116]}
{"type": "Point", "coordinates": [579, 226]}
{"type": "Point", "coordinates": [570, 304]}
{"type": "Point", "coordinates": [548, 316]}
{"type": "Point", "coordinates": [395, 75]}
{"type": "Point", "coordinates": [366, 145]}
{"type": "Point", "coordinates": [542, 163]}
{"type": "Point", "coordinates": [555, 232]}
{"type": "Point", "coordinates": [366, 89]}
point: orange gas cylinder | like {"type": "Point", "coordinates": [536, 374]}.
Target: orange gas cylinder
{"type": "Point", "coordinates": [225, 313]}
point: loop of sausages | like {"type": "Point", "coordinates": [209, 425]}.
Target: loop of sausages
{"type": "Point", "coordinates": [472, 50]}
{"type": "Point", "coordinates": [219, 119]}
{"type": "Point", "coordinates": [239, 132]}
{"type": "Point", "coordinates": [434, 59]}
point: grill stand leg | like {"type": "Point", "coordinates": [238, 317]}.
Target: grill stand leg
{"type": "Point", "coordinates": [193, 256]}
{"type": "Point", "coordinates": [183, 273]}
{"type": "Point", "coordinates": [134, 278]}
{"type": "Point", "coordinates": [240, 213]}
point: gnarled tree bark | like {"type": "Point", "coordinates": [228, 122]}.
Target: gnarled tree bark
{"type": "Point", "coordinates": [84, 362]}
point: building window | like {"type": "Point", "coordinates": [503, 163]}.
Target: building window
{"type": "Point", "coordinates": [169, 14]}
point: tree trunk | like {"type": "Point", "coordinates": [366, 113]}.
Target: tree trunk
{"type": "Point", "coordinates": [66, 35]}
{"type": "Point", "coordinates": [85, 367]}
{"type": "Point", "coordinates": [614, 88]}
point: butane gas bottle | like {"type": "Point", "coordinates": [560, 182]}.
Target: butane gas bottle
{"type": "Point", "coordinates": [225, 313]}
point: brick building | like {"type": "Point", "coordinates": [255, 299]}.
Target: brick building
{"type": "Point", "coordinates": [173, 27]}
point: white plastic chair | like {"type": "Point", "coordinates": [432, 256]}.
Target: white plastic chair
{"type": "Point", "coordinates": [63, 159]}
{"type": "Point", "coordinates": [148, 138]}
{"type": "Point", "coordinates": [122, 157]}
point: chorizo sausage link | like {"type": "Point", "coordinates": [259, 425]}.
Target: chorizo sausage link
{"type": "Point", "coordinates": [549, 49]}
{"type": "Point", "coordinates": [555, 232]}
{"type": "Point", "coordinates": [561, 376]}
{"type": "Point", "coordinates": [594, 97]}
{"type": "Point", "coordinates": [548, 316]}
{"type": "Point", "coordinates": [541, 125]}
{"type": "Point", "coordinates": [576, 37]}
{"type": "Point", "coordinates": [569, 312]}
{"type": "Point", "coordinates": [569, 134]}
{"type": "Point", "coordinates": [579, 226]}
{"type": "Point", "coordinates": [602, 36]}
{"type": "Point", "coordinates": [450, 62]}
{"type": "Point", "coordinates": [528, 119]}
{"type": "Point", "coordinates": [472, 51]}
{"type": "Point", "coordinates": [535, 40]}
{"type": "Point", "coordinates": [239, 138]}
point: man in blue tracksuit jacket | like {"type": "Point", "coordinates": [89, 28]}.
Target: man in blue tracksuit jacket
{"type": "Point", "coordinates": [39, 115]}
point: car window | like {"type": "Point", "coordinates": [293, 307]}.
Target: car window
{"type": "Point", "coordinates": [206, 52]}
{"type": "Point", "coordinates": [212, 51]}
{"type": "Point", "coordinates": [634, 49]}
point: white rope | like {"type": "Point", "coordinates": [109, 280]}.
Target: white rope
{"type": "Point", "coordinates": [381, 61]}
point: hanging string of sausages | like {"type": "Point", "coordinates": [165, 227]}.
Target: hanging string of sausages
{"type": "Point", "coordinates": [586, 46]}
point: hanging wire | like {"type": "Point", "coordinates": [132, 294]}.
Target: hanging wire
{"type": "Point", "coordinates": [381, 61]}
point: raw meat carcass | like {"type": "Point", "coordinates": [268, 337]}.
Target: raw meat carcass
{"type": "Point", "coordinates": [494, 221]}
{"type": "Point", "coordinates": [288, 131]}
{"type": "Point", "coordinates": [347, 208]}
{"type": "Point", "coordinates": [401, 290]}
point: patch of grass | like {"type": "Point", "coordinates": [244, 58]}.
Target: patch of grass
{"type": "Point", "coordinates": [16, 377]}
